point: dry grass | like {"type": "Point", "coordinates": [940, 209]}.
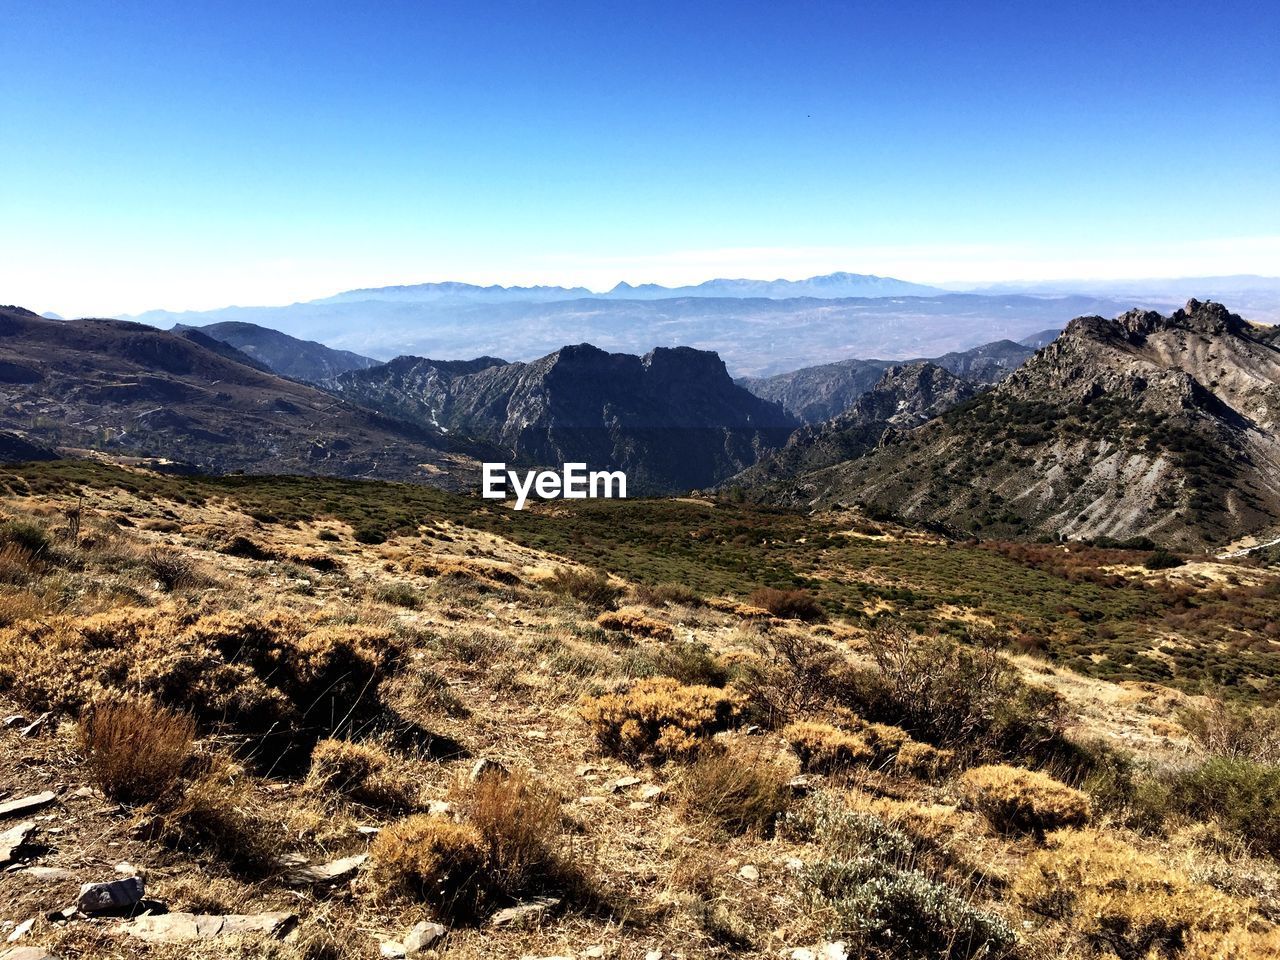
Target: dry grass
{"type": "Point", "coordinates": [1115, 898]}
{"type": "Point", "coordinates": [823, 748]}
{"type": "Point", "coordinates": [135, 749]}
{"type": "Point", "coordinates": [736, 791]}
{"type": "Point", "coordinates": [635, 623]}
{"type": "Point", "coordinates": [522, 829]}
{"type": "Point", "coordinates": [924, 761]}
{"type": "Point", "coordinates": [436, 860]}
{"type": "Point", "coordinates": [590, 587]}
{"type": "Point", "coordinates": [658, 718]}
{"type": "Point", "coordinates": [361, 772]}
{"type": "Point", "coordinates": [217, 815]}
{"type": "Point", "coordinates": [1023, 801]}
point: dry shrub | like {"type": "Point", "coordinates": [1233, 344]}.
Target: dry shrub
{"type": "Point", "coordinates": [884, 739]}
{"type": "Point", "coordinates": [1235, 731]}
{"type": "Point", "coordinates": [924, 761]}
{"type": "Point", "coordinates": [1120, 900]}
{"type": "Point", "coordinates": [521, 828]}
{"type": "Point", "coordinates": [635, 623]}
{"type": "Point", "coordinates": [21, 605]}
{"type": "Point", "coordinates": [217, 815]}
{"type": "Point", "coordinates": [789, 604]}
{"type": "Point", "coordinates": [435, 860]}
{"type": "Point", "coordinates": [361, 772]}
{"type": "Point", "coordinates": [323, 562]}
{"type": "Point", "coordinates": [252, 674]}
{"type": "Point", "coordinates": [135, 749]}
{"type": "Point", "coordinates": [242, 546]}
{"type": "Point", "coordinates": [794, 675]}
{"type": "Point", "coordinates": [173, 570]}
{"type": "Point", "coordinates": [659, 718]}
{"type": "Point", "coordinates": [18, 565]}
{"type": "Point", "coordinates": [1238, 943]}
{"type": "Point", "coordinates": [1023, 801]}
{"type": "Point", "coordinates": [736, 791]}
{"type": "Point", "coordinates": [591, 587]}
{"type": "Point", "coordinates": [823, 748]}
{"type": "Point", "coordinates": [667, 594]}
{"type": "Point", "coordinates": [965, 697]}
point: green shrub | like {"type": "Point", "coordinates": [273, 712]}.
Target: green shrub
{"type": "Point", "coordinates": [591, 587]}
{"type": "Point", "coordinates": [1241, 795]}
{"type": "Point", "coordinates": [1162, 559]}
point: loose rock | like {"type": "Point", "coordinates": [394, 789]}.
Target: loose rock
{"type": "Point", "coordinates": [530, 913]}
{"type": "Point", "coordinates": [422, 936]}
{"type": "Point", "coordinates": [27, 804]}
{"type": "Point", "coordinates": [13, 838]}
{"type": "Point", "coordinates": [302, 874]}
{"type": "Point", "coordinates": [179, 927]}
{"type": "Point", "coordinates": [96, 897]}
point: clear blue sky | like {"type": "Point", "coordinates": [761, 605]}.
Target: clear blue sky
{"type": "Point", "coordinates": [198, 154]}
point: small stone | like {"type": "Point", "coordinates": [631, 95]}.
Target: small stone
{"type": "Point", "coordinates": [28, 953]}
{"type": "Point", "coordinates": [749, 873]}
{"type": "Point", "coordinates": [85, 793]}
{"type": "Point", "coordinates": [803, 953]}
{"type": "Point", "coordinates": [96, 897]}
{"type": "Point", "coordinates": [593, 953]}
{"type": "Point", "coordinates": [47, 873]}
{"type": "Point", "coordinates": [794, 864]}
{"type": "Point", "coordinates": [27, 804]}
{"type": "Point", "coordinates": [440, 808]}
{"type": "Point", "coordinates": [639, 805]}
{"type": "Point", "coordinates": [303, 874]}
{"type": "Point", "coordinates": [14, 720]}
{"type": "Point", "coordinates": [126, 869]}
{"type": "Point", "coordinates": [836, 950]}
{"type": "Point", "coordinates": [530, 913]}
{"type": "Point", "coordinates": [623, 782]}
{"type": "Point", "coordinates": [32, 728]}
{"type": "Point", "coordinates": [422, 936]}
{"type": "Point", "coordinates": [368, 831]}
{"type": "Point", "coordinates": [21, 930]}
{"type": "Point", "coordinates": [391, 950]}
{"type": "Point", "coordinates": [653, 955]}
{"type": "Point", "coordinates": [13, 838]}
{"type": "Point", "coordinates": [652, 792]}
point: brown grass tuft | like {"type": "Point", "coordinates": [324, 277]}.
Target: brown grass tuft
{"type": "Point", "coordinates": [789, 604]}
{"type": "Point", "coordinates": [360, 772]}
{"type": "Point", "coordinates": [436, 860]}
{"type": "Point", "coordinates": [635, 623]}
{"type": "Point", "coordinates": [823, 748]}
{"type": "Point", "coordinates": [1023, 801]}
{"type": "Point", "coordinates": [737, 792]}
{"type": "Point", "coordinates": [135, 749]}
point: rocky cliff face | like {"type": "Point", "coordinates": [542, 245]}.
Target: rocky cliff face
{"type": "Point", "coordinates": [672, 419]}
{"type": "Point", "coordinates": [816, 394]}
{"type": "Point", "coordinates": [906, 396]}
{"type": "Point", "coordinates": [1167, 427]}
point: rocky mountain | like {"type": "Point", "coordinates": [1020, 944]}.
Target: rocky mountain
{"type": "Point", "coordinates": [904, 397]}
{"type": "Point", "coordinates": [816, 394]}
{"type": "Point", "coordinates": [288, 356]}
{"type": "Point", "coordinates": [756, 337]}
{"type": "Point", "coordinates": [672, 419]}
{"type": "Point", "coordinates": [1161, 426]}
{"type": "Point", "coordinates": [832, 286]}
{"type": "Point", "coordinates": [123, 389]}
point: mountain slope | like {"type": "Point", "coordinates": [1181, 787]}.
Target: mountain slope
{"type": "Point", "coordinates": [1167, 427]}
{"type": "Point", "coordinates": [816, 394]}
{"type": "Point", "coordinates": [128, 390]}
{"type": "Point", "coordinates": [906, 396]}
{"type": "Point", "coordinates": [288, 356]}
{"type": "Point", "coordinates": [673, 420]}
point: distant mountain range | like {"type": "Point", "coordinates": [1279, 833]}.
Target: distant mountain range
{"type": "Point", "coordinates": [756, 337]}
{"type": "Point", "coordinates": [288, 356]}
{"type": "Point", "coordinates": [830, 286]}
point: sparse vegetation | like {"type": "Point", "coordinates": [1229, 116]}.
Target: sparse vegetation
{"type": "Point", "coordinates": [658, 718]}
{"type": "Point", "coordinates": [136, 750]}
{"type": "Point", "coordinates": [735, 791]}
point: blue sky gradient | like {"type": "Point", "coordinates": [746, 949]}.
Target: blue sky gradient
{"type": "Point", "coordinates": [196, 155]}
